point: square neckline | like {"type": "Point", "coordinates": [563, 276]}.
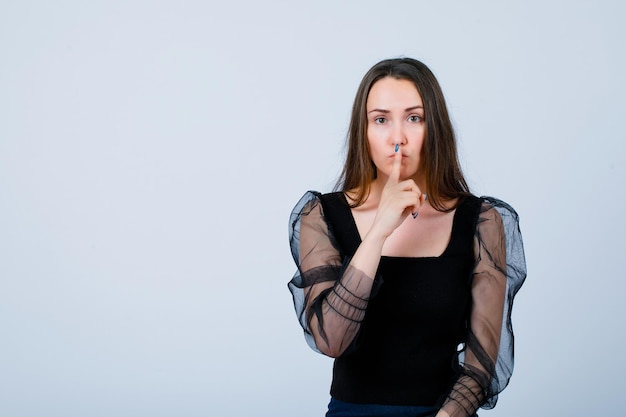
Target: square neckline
{"type": "Point", "coordinates": [452, 234]}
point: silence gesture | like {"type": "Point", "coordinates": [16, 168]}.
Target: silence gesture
{"type": "Point", "coordinates": [398, 200]}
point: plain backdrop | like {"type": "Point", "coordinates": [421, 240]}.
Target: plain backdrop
{"type": "Point", "coordinates": [151, 152]}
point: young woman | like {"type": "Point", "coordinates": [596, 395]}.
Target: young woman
{"type": "Point", "coordinates": [405, 277]}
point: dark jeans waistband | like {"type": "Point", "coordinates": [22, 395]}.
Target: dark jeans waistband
{"type": "Point", "coordinates": [338, 408]}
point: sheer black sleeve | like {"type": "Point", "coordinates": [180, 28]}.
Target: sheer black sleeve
{"type": "Point", "coordinates": [330, 296]}
{"type": "Point", "coordinates": [486, 361]}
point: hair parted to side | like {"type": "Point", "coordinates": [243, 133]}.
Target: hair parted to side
{"type": "Point", "coordinates": [443, 176]}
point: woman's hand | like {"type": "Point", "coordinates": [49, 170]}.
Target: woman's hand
{"type": "Point", "coordinates": [398, 199]}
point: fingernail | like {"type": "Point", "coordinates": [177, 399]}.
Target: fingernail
{"type": "Point", "coordinates": [397, 147]}
{"type": "Point", "coordinates": [415, 214]}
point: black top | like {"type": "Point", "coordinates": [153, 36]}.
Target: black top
{"type": "Point", "coordinates": [423, 331]}
{"type": "Point", "coordinates": [407, 344]}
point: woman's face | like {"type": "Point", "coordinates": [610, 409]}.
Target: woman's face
{"type": "Point", "coordinates": [395, 115]}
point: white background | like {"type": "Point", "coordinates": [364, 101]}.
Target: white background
{"type": "Point", "coordinates": [151, 152]}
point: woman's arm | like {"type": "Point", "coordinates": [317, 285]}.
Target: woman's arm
{"type": "Point", "coordinates": [335, 293]}
{"type": "Point", "coordinates": [500, 269]}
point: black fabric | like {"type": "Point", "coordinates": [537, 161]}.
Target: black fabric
{"type": "Point", "coordinates": [337, 212]}
{"type": "Point", "coordinates": [406, 348]}
{"type": "Point", "coordinates": [332, 298]}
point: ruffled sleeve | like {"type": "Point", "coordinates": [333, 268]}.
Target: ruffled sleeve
{"type": "Point", "coordinates": [330, 296]}
{"type": "Point", "coordinates": [486, 360]}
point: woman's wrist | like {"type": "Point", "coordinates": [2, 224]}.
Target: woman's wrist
{"type": "Point", "coordinates": [367, 256]}
{"type": "Point", "coordinates": [374, 238]}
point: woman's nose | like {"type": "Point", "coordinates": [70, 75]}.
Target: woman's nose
{"type": "Point", "coordinates": [397, 135]}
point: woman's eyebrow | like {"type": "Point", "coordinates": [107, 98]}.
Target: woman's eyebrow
{"type": "Point", "coordinates": [388, 111]}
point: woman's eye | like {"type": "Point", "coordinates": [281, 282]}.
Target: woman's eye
{"type": "Point", "coordinates": [380, 120]}
{"type": "Point", "coordinates": [414, 118]}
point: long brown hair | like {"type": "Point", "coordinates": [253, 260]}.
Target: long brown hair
{"type": "Point", "coordinates": [442, 171]}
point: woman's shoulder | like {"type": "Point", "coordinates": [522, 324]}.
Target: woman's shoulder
{"type": "Point", "coordinates": [488, 210]}
{"type": "Point", "coordinates": [309, 200]}
{"type": "Point", "coordinates": [312, 197]}
{"type": "Point", "coordinates": [315, 200]}
{"type": "Point", "coordinates": [504, 209]}
{"type": "Point", "coordinates": [496, 214]}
